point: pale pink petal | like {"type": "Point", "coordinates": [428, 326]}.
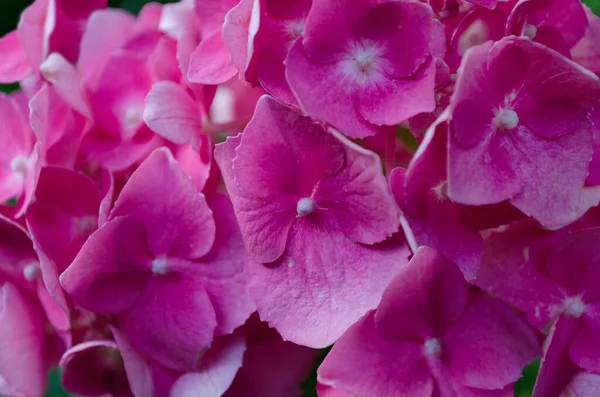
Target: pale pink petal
{"type": "Point", "coordinates": [173, 114]}
{"type": "Point", "coordinates": [211, 63]}
{"type": "Point", "coordinates": [216, 371]}
{"type": "Point", "coordinates": [15, 65]}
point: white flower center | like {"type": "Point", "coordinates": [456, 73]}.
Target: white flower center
{"type": "Point", "coordinates": [20, 166]}
{"type": "Point", "coordinates": [31, 271]}
{"type": "Point", "coordinates": [432, 348]}
{"type": "Point", "coordinates": [574, 306]}
{"type": "Point", "coordinates": [160, 266]}
{"type": "Point", "coordinates": [305, 206]}
{"type": "Point", "coordinates": [506, 119]}
{"type": "Point", "coordinates": [362, 61]}
{"type": "Point", "coordinates": [295, 29]}
{"type": "Point", "coordinates": [530, 31]}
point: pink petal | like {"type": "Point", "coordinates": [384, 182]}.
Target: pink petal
{"type": "Point", "coordinates": [358, 197]}
{"type": "Point", "coordinates": [503, 341]}
{"type": "Point", "coordinates": [557, 369]}
{"type": "Point", "coordinates": [173, 114]}
{"type": "Point", "coordinates": [66, 80]}
{"type": "Point", "coordinates": [217, 369]}
{"type": "Point", "coordinates": [165, 200]}
{"type": "Point", "coordinates": [171, 322]}
{"type": "Point", "coordinates": [238, 31]}
{"type": "Point", "coordinates": [391, 101]}
{"type": "Point", "coordinates": [138, 371]}
{"type": "Point", "coordinates": [430, 291]}
{"type": "Point", "coordinates": [94, 368]}
{"type": "Point", "coordinates": [272, 367]}
{"type": "Point", "coordinates": [402, 30]}
{"type": "Point", "coordinates": [98, 43]}
{"type": "Point", "coordinates": [15, 65]}
{"type": "Point", "coordinates": [587, 51]}
{"type": "Point", "coordinates": [22, 362]}
{"type": "Point", "coordinates": [584, 384]}
{"type": "Point", "coordinates": [270, 69]}
{"type": "Point", "coordinates": [222, 270]}
{"type": "Point", "coordinates": [362, 363]}
{"type": "Point", "coordinates": [323, 93]}
{"type": "Point", "coordinates": [111, 269]}
{"type": "Point", "coordinates": [211, 63]}
{"type": "Point", "coordinates": [322, 283]}
{"type": "Point", "coordinates": [585, 348]}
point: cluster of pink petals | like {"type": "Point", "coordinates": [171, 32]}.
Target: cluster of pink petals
{"type": "Point", "coordinates": [195, 199]}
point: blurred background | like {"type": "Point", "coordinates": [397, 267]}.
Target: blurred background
{"type": "Point", "coordinates": [9, 17]}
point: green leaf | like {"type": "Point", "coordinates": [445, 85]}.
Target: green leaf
{"type": "Point", "coordinates": [594, 5]}
{"type": "Point", "coordinates": [524, 386]}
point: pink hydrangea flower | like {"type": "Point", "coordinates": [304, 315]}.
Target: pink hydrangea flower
{"type": "Point", "coordinates": [376, 70]}
{"type": "Point", "coordinates": [432, 336]}
{"type": "Point", "coordinates": [520, 130]}
{"type": "Point", "coordinates": [584, 384]}
{"type": "Point", "coordinates": [550, 275]}
{"type": "Point", "coordinates": [167, 272]}
{"type": "Point", "coordinates": [307, 222]}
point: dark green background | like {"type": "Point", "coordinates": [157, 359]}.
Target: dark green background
{"type": "Point", "coordinates": [9, 16]}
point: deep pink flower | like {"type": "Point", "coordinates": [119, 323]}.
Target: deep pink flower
{"type": "Point", "coordinates": [15, 65]}
{"type": "Point", "coordinates": [520, 130]}
{"type": "Point", "coordinates": [375, 70]}
{"type": "Point", "coordinates": [557, 24]}
{"type": "Point", "coordinates": [550, 275]}
{"type": "Point", "coordinates": [167, 275]}
{"type": "Point", "coordinates": [432, 336]}
{"type": "Point", "coordinates": [307, 221]}
{"type": "Point", "coordinates": [432, 218]}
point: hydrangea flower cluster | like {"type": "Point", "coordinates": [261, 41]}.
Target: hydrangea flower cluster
{"type": "Point", "coordinates": [197, 199]}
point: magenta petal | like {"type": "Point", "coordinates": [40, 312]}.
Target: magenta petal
{"type": "Point", "coordinates": [326, 391]}
{"type": "Point", "coordinates": [217, 369]}
{"type": "Point", "coordinates": [272, 367]}
{"type": "Point", "coordinates": [557, 369]}
{"type": "Point", "coordinates": [429, 290]}
{"type": "Point", "coordinates": [323, 93]}
{"type": "Point", "coordinates": [138, 371]}
{"type": "Point", "coordinates": [98, 43]}
{"type": "Point", "coordinates": [585, 348]}
{"type": "Point", "coordinates": [403, 32]}
{"type": "Point", "coordinates": [171, 322]}
{"type": "Point", "coordinates": [290, 135]}
{"type": "Point", "coordinates": [22, 362]}
{"type": "Point", "coordinates": [322, 283]}
{"type": "Point", "coordinates": [94, 368]}
{"type": "Point", "coordinates": [391, 101]}
{"type": "Point", "coordinates": [211, 63]}
{"type": "Point", "coordinates": [584, 384]}
{"type": "Point", "coordinates": [358, 198]}
{"type": "Point", "coordinates": [582, 275]}
{"type": "Point", "coordinates": [176, 216]}
{"type": "Point", "coordinates": [111, 269]}
{"type": "Point", "coordinates": [265, 237]}
{"type": "Point", "coordinates": [15, 65]}
{"type": "Point", "coordinates": [363, 364]}
{"type": "Point", "coordinates": [55, 212]}
{"type": "Point", "coordinates": [490, 344]}
{"type": "Point", "coordinates": [173, 114]}
{"type": "Point", "coordinates": [222, 270]}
